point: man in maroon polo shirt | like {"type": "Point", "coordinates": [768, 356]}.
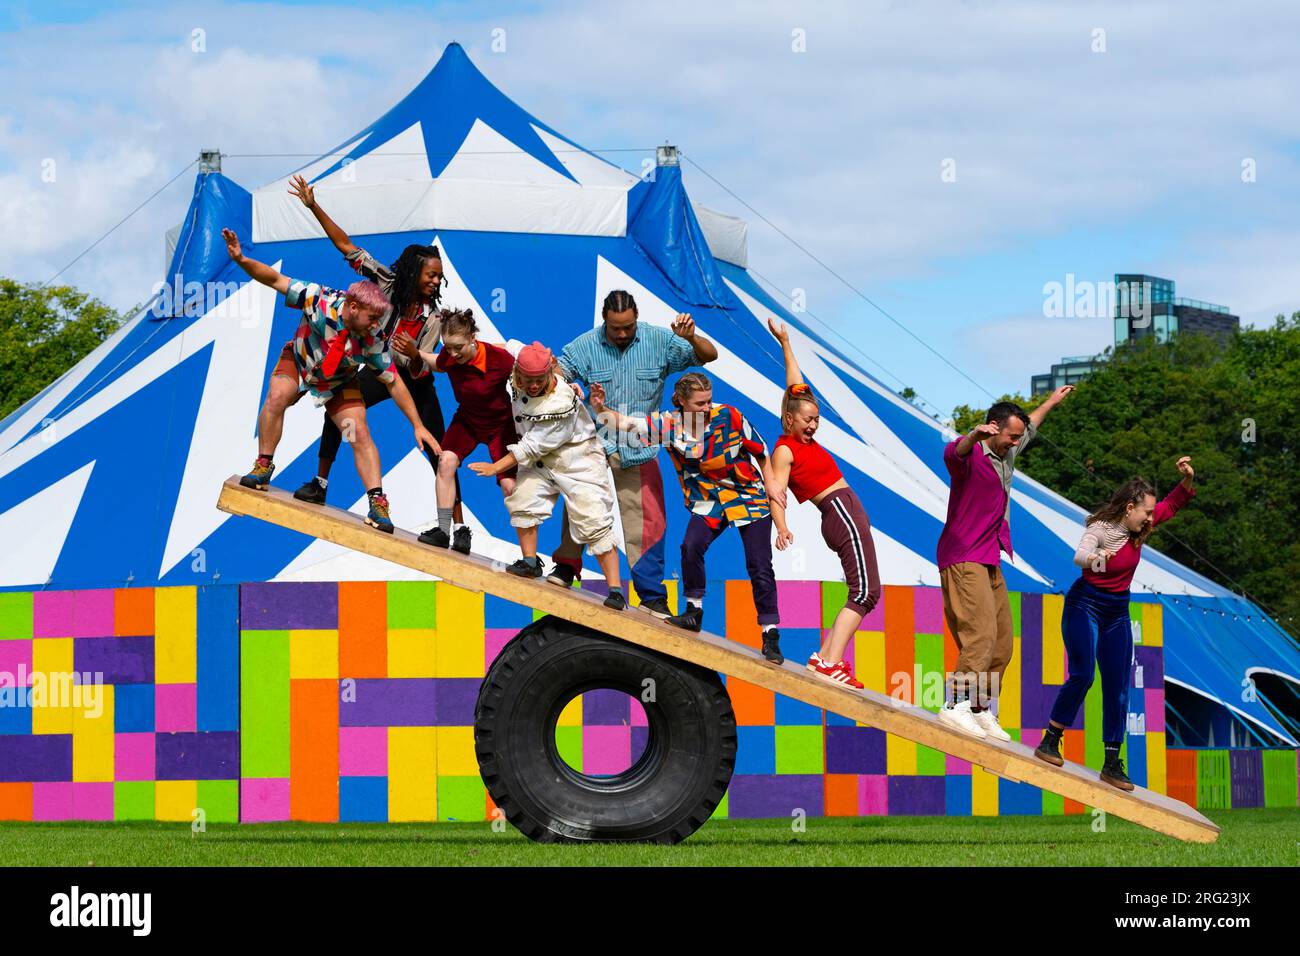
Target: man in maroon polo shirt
{"type": "Point", "coordinates": [977, 530]}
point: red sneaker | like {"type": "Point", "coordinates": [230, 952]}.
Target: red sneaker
{"type": "Point", "coordinates": [814, 661]}
{"type": "Point", "coordinates": [841, 672]}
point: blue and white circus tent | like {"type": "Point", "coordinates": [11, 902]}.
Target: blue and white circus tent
{"type": "Point", "coordinates": [109, 476]}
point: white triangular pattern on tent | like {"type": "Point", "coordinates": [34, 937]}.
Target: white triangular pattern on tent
{"type": "Point", "coordinates": [584, 167]}
{"type": "Point", "coordinates": [41, 523]}
{"type": "Point", "coordinates": [378, 192]}
{"type": "Point", "coordinates": [487, 156]}
{"type": "Point", "coordinates": [231, 399]}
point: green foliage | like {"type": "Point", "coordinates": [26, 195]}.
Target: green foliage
{"type": "Point", "coordinates": [44, 331]}
{"type": "Point", "coordinates": [1232, 409]}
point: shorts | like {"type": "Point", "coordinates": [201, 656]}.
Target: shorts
{"type": "Point", "coordinates": [461, 439]}
{"type": "Point", "coordinates": [346, 396]}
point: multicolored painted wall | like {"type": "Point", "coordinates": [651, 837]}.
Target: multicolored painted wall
{"type": "Point", "coordinates": [354, 701]}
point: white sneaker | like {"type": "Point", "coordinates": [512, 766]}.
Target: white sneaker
{"type": "Point", "coordinates": [989, 724]}
{"type": "Point", "coordinates": [961, 718]}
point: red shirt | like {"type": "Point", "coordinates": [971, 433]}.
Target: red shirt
{"type": "Point", "coordinates": [812, 471]}
{"type": "Point", "coordinates": [482, 399]}
{"type": "Point", "coordinates": [1120, 569]}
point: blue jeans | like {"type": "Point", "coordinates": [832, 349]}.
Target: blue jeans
{"type": "Point", "coordinates": [1097, 634]}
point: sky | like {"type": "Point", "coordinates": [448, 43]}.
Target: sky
{"type": "Point", "coordinates": [920, 173]}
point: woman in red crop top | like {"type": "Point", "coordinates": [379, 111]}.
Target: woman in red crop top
{"type": "Point", "coordinates": [808, 470]}
{"type": "Point", "coordinates": [1095, 617]}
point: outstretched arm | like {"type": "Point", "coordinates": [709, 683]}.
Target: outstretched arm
{"type": "Point", "coordinates": [684, 326]}
{"type": "Point", "coordinates": [307, 195]}
{"type": "Point", "coordinates": [486, 469]}
{"type": "Point", "coordinates": [792, 374]}
{"type": "Point", "coordinates": [1038, 414]}
{"type": "Point", "coordinates": [259, 271]}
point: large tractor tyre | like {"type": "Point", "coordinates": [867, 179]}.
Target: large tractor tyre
{"type": "Point", "coordinates": [664, 797]}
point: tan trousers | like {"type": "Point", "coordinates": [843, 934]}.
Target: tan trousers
{"type": "Point", "coordinates": [978, 613]}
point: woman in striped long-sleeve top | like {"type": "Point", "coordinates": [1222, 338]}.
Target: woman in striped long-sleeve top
{"type": "Point", "coordinates": [1095, 618]}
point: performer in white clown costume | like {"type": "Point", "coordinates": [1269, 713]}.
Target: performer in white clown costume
{"type": "Point", "coordinates": [558, 454]}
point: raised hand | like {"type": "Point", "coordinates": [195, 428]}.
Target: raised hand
{"type": "Point", "coordinates": [597, 398]}
{"type": "Point", "coordinates": [986, 430]}
{"type": "Point", "coordinates": [1185, 467]}
{"type": "Point", "coordinates": [303, 190]}
{"type": "Point", "coordinates": [779, 330]}
{"type": "Point", "coordinates": [233, 249]}
{"type": "Point", "coordinates": [684, 325]}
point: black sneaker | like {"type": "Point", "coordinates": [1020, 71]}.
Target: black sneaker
{"type": "Point", "coordinates": [313, 492]}
{"type": "Point", "coordinates": [460, 540]}
{"type": "Point", "coordinates": [658, 607]}
{"type": "Point", "coordinates": [436, 537]}
{"type": "Point", "coordinates": [772, 646]}
{"type": "Point", "coordinates": [691, 620]}
{"type": "Point", "coordinates": [1113, 774]}
{"type": "Point", "coordinates": [564, 576]}
{"type": "Point", "coordinates": [1050, 750]}
{"type": "Point", "coordinates": [526, 570]}
{"type": "Point", "coordinates": [616, 601]}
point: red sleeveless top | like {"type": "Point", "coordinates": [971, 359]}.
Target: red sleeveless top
{"type": "Point", "coordinates": [813, 469]}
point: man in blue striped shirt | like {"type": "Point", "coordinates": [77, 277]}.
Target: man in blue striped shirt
{"type": "Point", "coordinates": [632, 362]}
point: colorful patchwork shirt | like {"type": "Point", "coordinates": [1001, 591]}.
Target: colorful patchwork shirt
{"type": "Point", "coordinates": [322, 321]}
{"type": "Point", "coordinates": [720, 480]}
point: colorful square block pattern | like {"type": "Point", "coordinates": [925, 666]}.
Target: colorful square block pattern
{"type": "Point", "coordinates": [355, 701]}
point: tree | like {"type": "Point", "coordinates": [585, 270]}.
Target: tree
{"type": "Point", "coordinates": [966, 417]}
{"type": "Point", "coordinates": [1233, 409]}
{"type": "Point", "coordinates": [44, 331]}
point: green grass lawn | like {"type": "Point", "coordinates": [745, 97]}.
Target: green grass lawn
{"type": "Point", "coordinates": [1249, 838]}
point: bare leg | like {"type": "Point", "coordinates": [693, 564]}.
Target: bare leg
{"type": "Point", "coordinates": [352, 420]}
{"type": "Point", "coordinates": [528, 541]}
{"type": "Point", "coordinates": [445, 486]}
{"type": "Point", "coordinates": [841, 632]}
{"type": "Point", "coordinates": [608, 561]}
{"type": "Point", "coordinates": [282, 392]}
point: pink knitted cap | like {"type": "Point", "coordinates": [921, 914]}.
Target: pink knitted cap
{"type": "Point", "coordinates": [534, 359]}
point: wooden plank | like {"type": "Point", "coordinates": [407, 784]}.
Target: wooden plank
{"type": "Point", "coordinates": [1011, 760]}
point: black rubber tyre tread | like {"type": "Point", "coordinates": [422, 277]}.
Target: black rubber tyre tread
{"type": "Point", "coordinates": [665, 797]}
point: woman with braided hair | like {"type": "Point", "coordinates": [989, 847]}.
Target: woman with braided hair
{"type": "Point", "coordinates": [413, 284]}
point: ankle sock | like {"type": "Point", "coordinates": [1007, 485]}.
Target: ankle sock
{"type": "Point", "coordinates": [1112, 752]}
{"type": "Point", "coordinates": [263, 459]}
{"type": "Point", "coordinates": [374, 492]}
{"type": "Point", "coordinates": [323, 482]}
{"type": "Point", "coordinates": [444, 519]}
{"type": "Point", "coordinates": [1053, 735]}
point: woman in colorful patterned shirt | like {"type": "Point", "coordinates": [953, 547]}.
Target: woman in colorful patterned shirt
{"type": "Point", "coordinates": [721, 462]}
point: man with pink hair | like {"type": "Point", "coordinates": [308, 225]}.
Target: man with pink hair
{"type": "Point", "coordinates": [338, 336]}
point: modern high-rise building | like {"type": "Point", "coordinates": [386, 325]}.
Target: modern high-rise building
{"type": "Point", "coordinates": [1144, 305]}
{"type": "Point", "coordinates": [1147, 305]}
